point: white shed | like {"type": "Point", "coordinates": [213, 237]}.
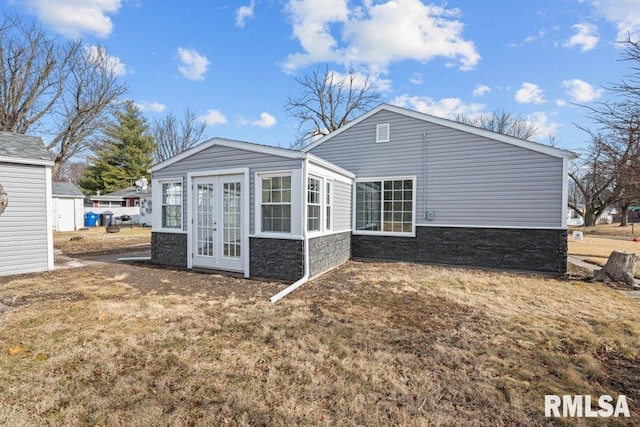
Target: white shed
{"type": "Point", "coordinates": [26, 237]}
{"type": "Point", "coordinates": [68, 207]}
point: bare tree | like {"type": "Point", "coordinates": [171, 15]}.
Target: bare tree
{"type": "Point", "coordinates": [597, 178]}
{"type": "Point", "coordinates": [613, 160]}
{"type": "Point", "coordinates": [502, 122]}
{"type": "Point", "coordinates": [328, 102]}
{"type": "Point", "coordinates": [173, 136]}
{"type": "Point", "coordinates": [59, 88]}
{"type": "Point", "coordinates": [71, 171]}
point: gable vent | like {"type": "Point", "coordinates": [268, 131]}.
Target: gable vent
{"type": "Point", "coordinates": [382, 132]}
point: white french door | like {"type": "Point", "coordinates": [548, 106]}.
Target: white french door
{"type": "Point", "coordinates": [217, 222]}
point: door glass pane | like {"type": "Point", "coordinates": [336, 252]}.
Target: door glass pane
{"type": "Point", "coordinates": [231, 203]}
{"type": "Point", "coordinates": [204, 217]}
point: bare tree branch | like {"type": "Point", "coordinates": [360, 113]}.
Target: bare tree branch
{"type": "Point", "coordinates": [328, 102]}
{"type": "Point", "coordinates": [57, 86]}
{"type": "Point", "coordinates": [501, 122]}
{"type": "Point", "coordinates": [173, 136]}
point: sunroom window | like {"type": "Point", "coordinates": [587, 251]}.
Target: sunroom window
{"type": "Point", "coordinates": [172, 205]}
{"type": "Point", "coordinates": [385, 206]}
{"type": "Point", "coordinates": [276, 204]}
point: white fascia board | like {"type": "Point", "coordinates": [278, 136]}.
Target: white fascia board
{"type": "Point", "coordinates": [24, 161]}
{"type": "Point", "coordinates": [330, 166]}
{"type": "Point", "coordinates": [529, 145]}
{"type": "Point", "coordinates": [240, 145]}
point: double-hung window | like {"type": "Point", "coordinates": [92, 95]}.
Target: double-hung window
{"type": "Point", "coordinates": [314, 207]}
{"type": "Point", "coordinates": [276, 204]}
{"type": "Point", "coordinates": [385, 205]}
{"type": "Point", "coordinates": [172, 205]}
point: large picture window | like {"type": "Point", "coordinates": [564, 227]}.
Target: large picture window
{"type": "Point", "coordinates": [385, 205]}
{"type": "Point", "coordinates": [276, 204]}
{"type": "Point", "coordinates": [172, 205]}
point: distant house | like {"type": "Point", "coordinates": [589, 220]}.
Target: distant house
{"type": "Point", "coordinates": [26, 237]}
{"type": "Point", "coordinates": [131, 201]}
{"type": "Point", "coordinates": [68, 207]}
{"type": "Point", "coordinates": [393, 184]}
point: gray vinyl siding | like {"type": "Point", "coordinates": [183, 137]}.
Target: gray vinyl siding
{"type": "Point", "coordinates": [341, 206]}
{"type": "Point", "coordinates": [471, 180]}
{"type": "Point", "coordinates": [220, 158]}
{"type": "Point", "coordinates": [23, 225]}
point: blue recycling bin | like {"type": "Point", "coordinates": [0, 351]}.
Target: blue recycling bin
{"type": "Point", "coordinates": [91, 219]}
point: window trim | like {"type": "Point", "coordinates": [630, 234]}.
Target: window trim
{"type": "Point", "coordinates": [412, 233]}
{"type": "Point", "coordinates": [157, 218]}
{"type": "Point", "coordinates": [296, 192]}
{"type": "Point", "coordinates": [320, 204]}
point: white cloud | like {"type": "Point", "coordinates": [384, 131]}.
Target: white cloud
{"type": "Point", "coordinates": [446, 107]}
{"type": "Point", "coordinates": [194, 66]}
{"type": "Point", "coordinates": [416, 78]}
{"type": "Point", "coordinates": [581, 91]}
{"type": "Point", "coordinates": [98, 54]}
{"type": "Point", "coordinates": [530, 39]}
{"type": "Point", "coordinates": [243, 13]}
{"type": "Point", "coordinates": [529, 93]}
{"type": "Point", "coordinates": [377, 33]}
{"type": "Point", "coordinates": [543, 125]}
{"type": "Point", "coordinates": [153, 107]}
{"type": "Point", "coordinates": [586, 37]}
{"type": "Point", "coordinates": [625, 14]}
{"type": "Point", "coordinates": [75, 17]}
{"type": "Point", "coordinates": [265, 121]}
{"type": "Point", "coordinates": [213, 117]}
{"type": "Point", "coordinates": [561, 103]}
{"type": "Point", "coordinates": [481, 90]}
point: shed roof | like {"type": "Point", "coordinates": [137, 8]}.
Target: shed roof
{"type": "Point", "coordinates": [26, 149]}
{"type": "Point", "coordinates": [65, 189]}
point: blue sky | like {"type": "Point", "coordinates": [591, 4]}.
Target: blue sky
{"type": "Point", "coordinates": [232, 62]}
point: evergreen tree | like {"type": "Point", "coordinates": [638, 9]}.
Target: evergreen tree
{"type": "Point", "coordinates": [125, 155]}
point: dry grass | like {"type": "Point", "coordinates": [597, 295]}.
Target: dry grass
{"type": "Point", "coordinates": [597, 249]}
{"type": "Point", "coordinates": [366, 344]}
{"type": "Point", "coordinates": [610, 230]}
{"type": "Point", "coordinates": [96, 239]}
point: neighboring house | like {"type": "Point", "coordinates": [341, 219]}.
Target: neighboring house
{"type": "Point", "coordinates": [574, 218]}
{"type": "Point", "coordinates": [607, 216]}
{"type": "Point", "coordinates": [26, 238]}
{"type": "Point", "coordinates": [132, 201]}
{"type": "Point", "coordinates": [393, 184]}
{"type": "Point", "coordinates": [68, 207]}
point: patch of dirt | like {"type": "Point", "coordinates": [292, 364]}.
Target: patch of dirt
{"type": "Point", "coordinates": [622, 375]}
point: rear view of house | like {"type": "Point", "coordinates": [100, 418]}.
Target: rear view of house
{"type": "Point", "coordinates": [26, 238]}
{"type": "Point", "coordinates": [394, 184]}
{"type": "Point", "coordinates": [476, 198]}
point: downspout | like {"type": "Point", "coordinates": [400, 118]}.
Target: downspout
{"type": "Point", "coordinates": [305, 277]}
{"type": "Point", "coordinates": [424, 170]}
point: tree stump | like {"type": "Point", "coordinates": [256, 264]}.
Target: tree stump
{"type": "Point", "coordinates": [112, 228]}
{"type": "Point", "coordinates": [620, 268]}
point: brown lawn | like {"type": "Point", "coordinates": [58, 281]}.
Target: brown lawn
{"type": "Point", "coordinates": [96, 239]}
{"type": "Point", "coordinates": [597, 249]}
{"type": "Point", "coordinates": [366, 344]}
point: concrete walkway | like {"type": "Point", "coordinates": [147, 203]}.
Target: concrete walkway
{"type": "Point", "coordinates": [62, 261]}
